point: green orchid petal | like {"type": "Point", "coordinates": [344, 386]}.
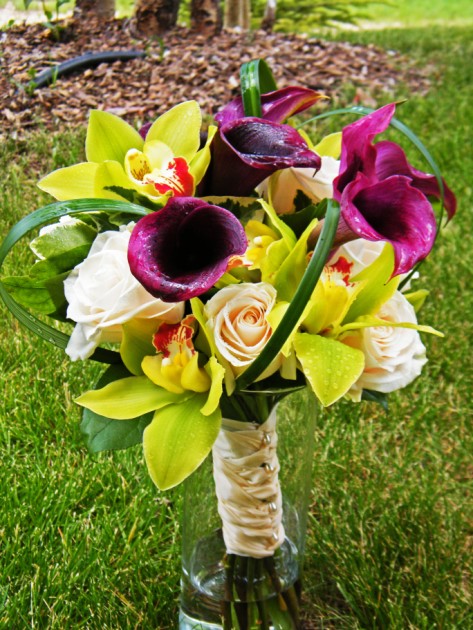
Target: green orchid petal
{"type": "Point", "coordinates": [178, 440]}
{"type": "Point", "coordinates": [200, 162]}
{"type": "Point", "coordinates": [277, 224]}
{"type": "Point", "coordinates": [109, 138]}
{"type": "Point", "coordinates": [137, 343]}
{"type": "Point", "coordinates": [179, 128]}
{"type": "Point", "coordinates": [330, 366]}
{"type": "Point", "coordinates": [276, 254]}
{"type": "Point", "coordinates": [417, 298]}
{"type": "Point", "coordinates": [205, 340]}
{"type": "Point", "coordinates": [328, 306]}
{"type": "Point", "coordinates": [330, 146]}
{"type": "Point", "coordinates": [293, 267]}
{"type": "Point", "coordinates": [217, 374]}
{"type": "Point", "coordinates": [127, 398]}
{"type": "Point", "coordinates": [71, 182]}
{"type": "Point", "coordinates": [377, 286]}
{"type": "Point", "coordinates": [112, 182]}
{"type": "Point", "coordinates": [373, 322]}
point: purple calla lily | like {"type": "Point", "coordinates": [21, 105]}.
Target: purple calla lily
{"type": "Point", "coordinates": [247, 150]}
{"type": "Point", "coordinates": [276, 106]}
{"type": "Point", "coordinates": [382, 197]}
{"type": "Point", "coordinates": [180, 251]}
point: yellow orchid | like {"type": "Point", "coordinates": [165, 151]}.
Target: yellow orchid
{"type": "Point", "coordinates": [176, 367]}
{"type": "Point", "coordinates": [122, 164]}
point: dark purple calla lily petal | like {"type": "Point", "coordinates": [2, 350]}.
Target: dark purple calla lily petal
{"type": "Point", "coordinates": [247, 150]}
{"type": "Point", "coordinates": [358, 152]}
{"type": "Point", "coordinates": [143, 130]}
{"type": "Point", "coordinates": [391, 159]}
{"type": "Point", "coordinates": [276, 106]}
{"type": "Point", "coordinates": [179, 252]}
{"type": "Point", "coordinates": [391, 210]}
{"type": "Point", "coordinates": [383, 197]}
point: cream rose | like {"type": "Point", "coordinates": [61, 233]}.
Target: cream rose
{"type": "Point", "coordinates": [102, 295]}
{"type": "Point", "coordinates": [362, 253]}
{"type": "Point", "coordinates": [316, 185]}
{"type": "Point", "coordinates": [237, 316]}
{"type": "Point", "coordinates": [394, 356]}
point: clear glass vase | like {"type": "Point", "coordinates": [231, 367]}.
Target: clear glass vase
{"type": "Point", "coordinates": [225, 590]}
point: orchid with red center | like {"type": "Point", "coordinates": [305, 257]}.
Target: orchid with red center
{"type": "Point", "coordinates": [143, 168]}
{"type": "Point", "coordinates": [382, 197]}
{"type": "Point", "coordinates": [182, 250]}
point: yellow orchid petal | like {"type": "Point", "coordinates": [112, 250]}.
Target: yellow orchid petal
{"type": "Point", "coordinates": [195, 378]}
{"type": "Point", "coordinates": [163, 376]}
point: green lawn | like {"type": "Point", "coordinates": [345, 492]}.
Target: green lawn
{"type": "Point", "coordinates": [88, 542]}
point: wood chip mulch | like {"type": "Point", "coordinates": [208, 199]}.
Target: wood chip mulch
{"type": "Point", "coordinates": [181, 65]}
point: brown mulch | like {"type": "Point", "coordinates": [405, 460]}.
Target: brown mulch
{"type": "Point", "coordinates": [179, 66]}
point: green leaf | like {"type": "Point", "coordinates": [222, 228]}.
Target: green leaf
{"type": "Point", "coordinates": [255, 79]}
{"type": "Point", "coordinates": [104, 434]}
{"type": "Point", "coordinates": [42, 295]}
{"type": "Point", "coordinates": [330, 366]}
{"type": "Point", "coordinates": [376, 397]}
{"type": "Point", "coordinates": [179, 129]}
{"type": "Point", "coordinates": [178, 440]}
{"type": "Point", "coordinates": [110, 138]}
{"type": "Point", "coordinates": [127, 398]}
{"type": "Point", "coordinates": [71, 182]}
{"type": "Point", "coordinates": [244, 208]}
{"type": "Point", "coordinates": [36, 219]}
{"type": "Point", "coordinates": [299, 219]}
{"type": "Point", "coordinates": [62, 238]}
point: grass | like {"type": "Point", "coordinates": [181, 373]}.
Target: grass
{"type": "Point", "coordinates": [87, 542]}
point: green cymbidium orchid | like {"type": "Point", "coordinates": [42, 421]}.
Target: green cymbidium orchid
{"type": "Point", "coordinates": [122, 165]}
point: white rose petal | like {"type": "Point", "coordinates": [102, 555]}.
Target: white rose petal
{"type": "Point", "coordinates": [317, 185]}
{"type": "Point", "coordinates": [394, 356]}
{"type": "Point", "coordinates": [102, 294]}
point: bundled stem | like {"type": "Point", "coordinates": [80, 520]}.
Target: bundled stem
{"type": "Point", "coordinates": [249, 605]}
{"type": "Point", "coordinates": [256, 594]}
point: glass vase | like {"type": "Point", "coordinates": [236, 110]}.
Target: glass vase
{"type": "Point", "coordinates": [236, 590]}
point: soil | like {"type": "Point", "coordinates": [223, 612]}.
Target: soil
{"type": "Point", "coordinates": [178, 66]}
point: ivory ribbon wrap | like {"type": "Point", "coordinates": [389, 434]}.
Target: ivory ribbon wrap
{"type": "Point", "coordinates": [249, 497]}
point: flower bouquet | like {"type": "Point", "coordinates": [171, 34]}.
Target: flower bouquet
{"type": "Point", "coordinates": [219, 272]}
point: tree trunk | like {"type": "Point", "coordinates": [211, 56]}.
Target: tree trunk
{"type": "Point", "coordinates": [206, 16]}
{"type": "Point", "coordinates": [154, 17]}
{"type": "Point", "coordinates": [104, 9]}
{"type": "Point", "coordinates": [237, 14]}
{"type": "Point", "coordinates": [269, 17]}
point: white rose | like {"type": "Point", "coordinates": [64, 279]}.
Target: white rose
{"type": "Point", "coordinates": [394, 357]}
{"type": "Point", "coordinates": [102, 295]}
{"type": "Point", "coordinates": [362, 253]}
{"type": "Point", "coordinates": [315, 185]}
{"type": "Point", "coordinates": [237, 316]}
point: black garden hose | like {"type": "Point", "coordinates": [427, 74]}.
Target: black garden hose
{"type": "Point", "coordinates": [87, 60]}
